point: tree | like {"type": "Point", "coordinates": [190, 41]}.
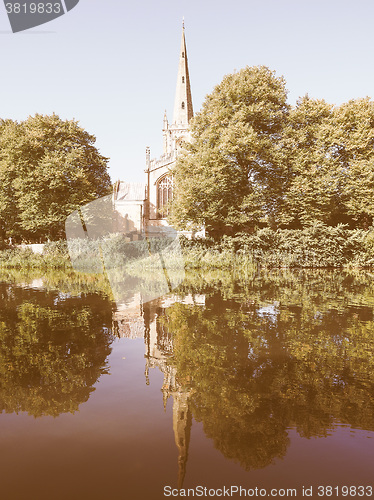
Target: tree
{"type": "Point", "coordinates": [232, 176]}
{"type": "Point", "coordinates": [255, 161]}
{"type": "Point", "coordinates": [49, 167]}
{"type": "Point", "coordinates": [10, 144]}
{"type": "Point", "coordinates": [330, 151]}
{"type": "Point", "coordinates": [312, 190]}
{"type": "Point", "coordinates": [331, 156]}
{"type": "Point", "coordinates": [351, 144]}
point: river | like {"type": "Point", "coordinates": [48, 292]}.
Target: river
{"type": "Point", "coordinates": [255, 381]}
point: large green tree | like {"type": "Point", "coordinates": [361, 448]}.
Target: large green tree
{"type": "Point", "coordinates": [351, 147]}
{"type": "Point", "coordinates": [48, 167]}
{"type": "Point", "coordinates": [254, 160]}
{"type": "Point", "coordinates": [330, 151]}
{"type": "Point", "coordinates": [312, 189]}
{"type": "Point", "coordinates": [232, 175]}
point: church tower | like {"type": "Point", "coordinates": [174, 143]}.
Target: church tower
{"type": "Point", "coordinates": [183, 111]}
{"type": "Point", "coordinates": [178, 131]}
{"type": "Point", "coordinates": [159, 171]}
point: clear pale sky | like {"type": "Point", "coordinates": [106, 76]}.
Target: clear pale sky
{"type": "Point", "coordinates": [112, 64]}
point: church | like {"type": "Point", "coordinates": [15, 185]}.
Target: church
{"type": "Point", "coordinates": [144, 205]}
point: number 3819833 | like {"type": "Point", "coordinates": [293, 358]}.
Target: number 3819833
{"type": "Point", "coordinates": [33, 8]}
{"type": "Point", "coordinates": [345, 491]}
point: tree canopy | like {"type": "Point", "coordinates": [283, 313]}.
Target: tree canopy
{"type": "Point", "coordinates": [256, 161]}
{"type": "Point", "coordinates": [48, 167]}
{"type": "Point", "coordinates": [233, 159]}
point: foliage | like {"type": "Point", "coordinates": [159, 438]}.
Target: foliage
{"type": "Point", "coordinates": [233, 168]}
{"type": "Point", "coordinates": [330, 151]}
{"type": "Point", "coordinates": [55, 256]}
{"type": "Point", "coordinates": [314, 246]}
{"type": "Point", "coordinates": [48, 168]}
{"type": "Point", "coordinates": [317, 245]}
{"type": "Point", "coordinates": [312, 189]}
{"type": "Point", "coordinates": [256, 162]}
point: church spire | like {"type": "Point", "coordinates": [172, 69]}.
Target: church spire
{"type": "Point", "coordinates": [183, 111]}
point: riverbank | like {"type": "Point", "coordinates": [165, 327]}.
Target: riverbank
{"type": "Point", "coordinates": [319, 246]}
{"type": "Point", "coordinates": [55, 256]}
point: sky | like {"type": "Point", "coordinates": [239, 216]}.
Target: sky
{"type": "Point", "coordinates": [112, 64]}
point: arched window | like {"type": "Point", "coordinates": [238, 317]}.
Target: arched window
{"type": "Point", "coordinates": [164, 195]}
{"type": "Point", "coordinates": [182, 54]}
{"type": "Point", "coordinates": [182, 79]}
{"type": "Point", "coordinates": [182, 105]}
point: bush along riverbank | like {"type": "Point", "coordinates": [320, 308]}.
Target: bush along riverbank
{"type": "Point", "coordinates": [55, 256]}
{"type": "Point", "coordinates": [318, 246]}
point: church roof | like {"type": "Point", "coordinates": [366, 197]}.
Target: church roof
{"type": "Point", "coordinates": [131, 191]}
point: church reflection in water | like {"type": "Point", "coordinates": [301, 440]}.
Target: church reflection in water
{"type": "Point", "coordinates": [248, 360]}
{"type": "Point", "coordinates": [252, 363]}
{"type": "Point", "coordinates": [137, 320]}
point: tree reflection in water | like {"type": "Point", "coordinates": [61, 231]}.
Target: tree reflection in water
{"type": "Point", "coordinates": [252, 358]}
{"type": "Point", "coordinates": [284, 350]}
{"type": "Point", "coordinates": [53, 349]}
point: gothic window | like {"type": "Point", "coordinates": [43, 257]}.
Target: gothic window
{"type": "Point", "coordinates": [164, 195]}
{"type": "Point", "coordinates": [182, 79]}
{"type": "Point", "coordinates": [182, 105]}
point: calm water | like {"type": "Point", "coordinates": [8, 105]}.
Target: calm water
{"type": "Point", "coordinates": [262, 381]}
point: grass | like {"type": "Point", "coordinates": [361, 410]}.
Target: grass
{"type": "Point", "coordinates": [319, 246]}
{"type": "Point", "coordinates": [55, 257]}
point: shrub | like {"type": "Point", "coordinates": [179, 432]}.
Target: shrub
{"type": "Point", "coordinates": [315, 247]}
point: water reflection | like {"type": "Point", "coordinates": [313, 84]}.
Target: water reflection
{"type": "Point", "coordinates": [137, 320]}
{"type": "Point", "coordinates": [277, 352]}
{"type": "Point", "coordinates": [53, 349]}
{"type": "Point", "coordinates": [253, 359]}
